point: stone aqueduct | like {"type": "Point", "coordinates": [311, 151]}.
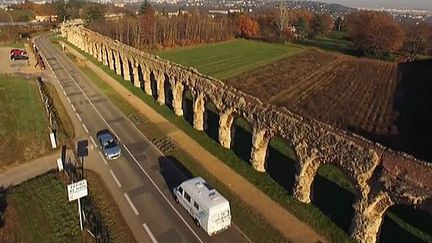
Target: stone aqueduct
{"type": "Point", "coordinates": [382, 177]}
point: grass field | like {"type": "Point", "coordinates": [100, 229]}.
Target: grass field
{"type": "Point", "coordinates": [38, 211]}
{"type": "Point", "coordinates": [23, 123]}
{"type": "Point", "coordinates": [224, 60]}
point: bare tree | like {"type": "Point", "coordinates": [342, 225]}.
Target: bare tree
{"type": "Point", "coordinates": [284, 19]}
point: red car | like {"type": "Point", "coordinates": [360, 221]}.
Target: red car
{"type": "Point", "coordinates": [15, 52]}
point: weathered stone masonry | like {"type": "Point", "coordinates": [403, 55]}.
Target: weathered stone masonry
{"type": "Point", "coordinates": [382, 177]}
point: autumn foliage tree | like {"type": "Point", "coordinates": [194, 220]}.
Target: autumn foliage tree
{"type": "Point", "coordinates": [247, 26]}
{"type": "Point", "coordinates": [321, 24]}
{"type": "Point", "coordinates": [375, 33]}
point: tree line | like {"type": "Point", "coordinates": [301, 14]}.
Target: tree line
{"type": "Point", "coordinates": [375, 34]}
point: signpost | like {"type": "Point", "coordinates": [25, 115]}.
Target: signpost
{"type": "Point", "coordinates": [76, 191]}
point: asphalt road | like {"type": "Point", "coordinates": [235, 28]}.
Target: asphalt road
{"type": "Point", "coordinates": [142, 173]}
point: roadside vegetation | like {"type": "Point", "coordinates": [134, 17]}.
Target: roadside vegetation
{"type": "Point", "coordinates": [38, 211]}
{"type": "Point", "coordinates": [23, 122]}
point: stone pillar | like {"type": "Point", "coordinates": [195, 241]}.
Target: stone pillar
{"type": "Point", "coordinates": [225, 123]}
{"type": "Point", "coordinates": [95, 51]}
{"type": "Point", "coordinates": [126, 73]}
{"type": "Point", "coordinates": [111, 63]}
{"type": "Point", "coordinates": [307, 168]}
{"type": "Point", "coordinates": [90, 48]}
{"type": "Point", "coordinates": [259, 149]}
{"type": "Point", "coordinates": [117, 63]}
{"type": "Point", "coordinates": [137, 81]}
{"type": "Point", "coordinates": [99, 52]}
{"type": "Point", "coordinates": [177, 101]}
{"type": "Point", "coordinates": [86, 48]}
{"type": "Point", "coordinates": [368, 218]}
{"type": "Point", "coordinates": [198, 116]}
{"type": "Point", "coordinates": [146, 80]}
{"type": "Point", "coordinates": [104, 56]}
{"type": "Point", "coordinates": [160, 80]}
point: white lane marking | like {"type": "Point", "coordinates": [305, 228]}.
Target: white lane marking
{"type": "Point", "coordinates": [115, 178]}
{"type": "Point", "coordinates": [61, 86]}
{"type": "Point", "coordinates": [93, 141]}
{"type": "Point", "coordinates": [85, 128]}
{"type": "Point", "coordinates": [103, 158]}
{"type": "Point", "coordinates": [133, 157]}
{"type": "Point", "coordinates": [73, 107]}
{"type": "Point", "coordinates": [78, 116]}
{"type": "Point", "coordinates": [131, 204]}
{"type": "Point", "coordinates": [68, 99]}
{"type": "Point", "coordinates": [64, 92]}
{"type": "Point", "coordinates": [150, 233]}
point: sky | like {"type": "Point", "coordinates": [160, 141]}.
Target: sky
{"type": "Point", "coordinates": [417, 4]}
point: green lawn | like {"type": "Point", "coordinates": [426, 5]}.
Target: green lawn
{"type": "Point", "coordinates": [41, 212]}
{"type": "Point", "coordinates": [224, 60]}
{"type": "Point", "coordinates": [23, 123]}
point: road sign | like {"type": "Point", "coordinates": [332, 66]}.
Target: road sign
{"type": "Point", "coordinates": [77, 190]}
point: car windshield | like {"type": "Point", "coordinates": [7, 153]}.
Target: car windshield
{"type": "Point", "coordinates": [110, 144]}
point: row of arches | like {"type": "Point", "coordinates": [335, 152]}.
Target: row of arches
{"type": "Point", "coordinates": [276, 156]}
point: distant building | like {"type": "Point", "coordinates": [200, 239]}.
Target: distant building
{"type": "Point", "coordinates": [46, 18]}
{"type": "Point", "coordinates": [114, 16]}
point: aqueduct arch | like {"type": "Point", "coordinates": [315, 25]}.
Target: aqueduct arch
{"type": "Point", "coordinates": [403, 178]}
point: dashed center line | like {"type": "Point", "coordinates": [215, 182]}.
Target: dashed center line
{"type": "Point", "coordinates": [68, 99]}
{"type": "Point", "coordinates": [79, 117]}
{"type": "Point", "coordinates": [73, 107]}
{"type": "Point", "coordinates": [85, 128]}
{"type": "Point", "coordinates": [147, 229]}
{"type": "Point", "coordinates": [131, 204]}
{"type": "Point", "coordinates": [115, 178]}
{"type": "Point", "coordinates": [93, 141]}
{"type": "Point", "coordinates": [64, 92]}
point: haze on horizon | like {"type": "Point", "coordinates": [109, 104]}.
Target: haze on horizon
{"type": "Point", "coordinates": [405, 4]}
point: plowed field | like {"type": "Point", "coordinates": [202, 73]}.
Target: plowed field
{"type": "Point", "coordinates": [341, 90]}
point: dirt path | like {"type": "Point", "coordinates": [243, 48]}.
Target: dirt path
{"type": "Point", "coordinates": [275, 214]}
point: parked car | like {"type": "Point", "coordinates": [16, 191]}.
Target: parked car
{"type": "Point", "coordinates": [19, 57]}
{"type": "Point", "coordinates": [108, 144]}
{"type": "Point", "coordinates": [17, 52]}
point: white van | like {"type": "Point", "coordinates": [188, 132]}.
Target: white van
{"type": "Point", "coordinates": [208, 208]}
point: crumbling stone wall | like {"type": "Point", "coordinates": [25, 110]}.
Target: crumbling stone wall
{"type": "Point", "coordinates": [382, 177]}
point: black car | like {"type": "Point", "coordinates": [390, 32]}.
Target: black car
{"type": "Point", "coordinates": [19, 57]}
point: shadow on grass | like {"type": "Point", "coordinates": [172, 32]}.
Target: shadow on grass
{"type": "Point", "coordinates": [242, 142]}
{"type": "Point", "coordinates": [331, 45]}
{"type": "Point", "coordinates": [281, 169]}
{"type": "Point", "coordinates": [187, 107]}
{"type": "Point", "coordinates": [334, 201]}
{"type": "Point", "coordinates": [173, 171]}
{"type": "Point", "coordinates": [392, 231]}
{"type": "Point", "coordinates": [211, 124]}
